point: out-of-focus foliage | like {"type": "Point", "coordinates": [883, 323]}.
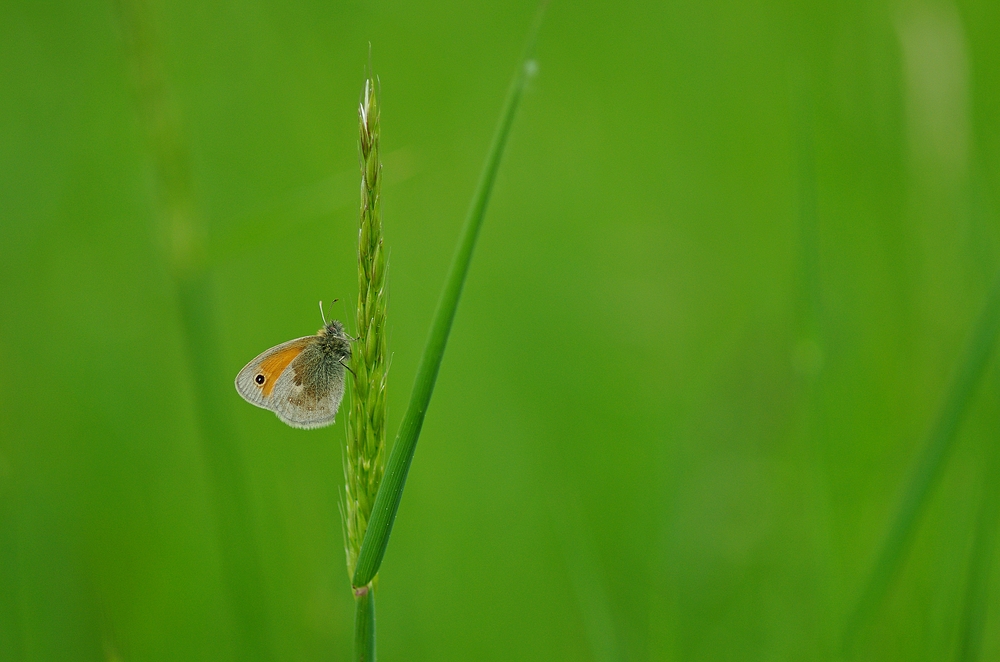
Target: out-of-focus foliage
{"type": "Point", "coordinates": [731, 262]}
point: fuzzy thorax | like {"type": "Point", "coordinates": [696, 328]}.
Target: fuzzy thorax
{"type": "Point", "coordinates": [333, 340]}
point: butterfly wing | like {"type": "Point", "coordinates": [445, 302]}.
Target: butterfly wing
{"type": "Point", "coordinates": [309, 392]}
{"type": "Point", "coordinates": [258, 379]}
{"type": "Point", "coordinates": [295, 380]}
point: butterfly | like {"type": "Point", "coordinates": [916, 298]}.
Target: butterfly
{"type": "Point", "coordinates": [302, 380]}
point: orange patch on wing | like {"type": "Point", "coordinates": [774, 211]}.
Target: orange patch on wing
{"type": "Point", "coordinates": [274, 365]}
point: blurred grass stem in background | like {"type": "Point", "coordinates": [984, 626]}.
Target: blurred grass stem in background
{"type": "Point", "coordinates": [929, 467]}
{"type": "Point", "coordinates": [181, 232]}
{"type": "Point", "coordinates": [391, 491]}
{"type": "Point", "coordinates": [977, 583]}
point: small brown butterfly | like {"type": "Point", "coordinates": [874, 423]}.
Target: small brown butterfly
{"type": "Point", "coordinates": [302, 380]}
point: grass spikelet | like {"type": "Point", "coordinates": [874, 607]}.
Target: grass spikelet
{"type": "Point", "coordinates": [364, 460]}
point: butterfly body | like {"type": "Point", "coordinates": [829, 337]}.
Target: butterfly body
{"type": "Point", "coordinates": [302, 380]}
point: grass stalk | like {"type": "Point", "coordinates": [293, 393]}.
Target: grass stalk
{"type": "Point", "coordinates": [364, 624]}
{"type": "Point", "coordinates": [365, 456]}
{"type": "Point", "coordinates": [928, 469]}
{"type": "Point", "coordinates": [391, 490]}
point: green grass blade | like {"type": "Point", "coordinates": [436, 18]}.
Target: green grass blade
{"type": "Point", "coordinates": [391, 489]}
{"type": "Point", "coordinates": [929, 467]}
{"type": "Point", "coordinates": [364, 624]}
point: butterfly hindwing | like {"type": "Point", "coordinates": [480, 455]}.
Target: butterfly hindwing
{"type": "Point", "coordinates": [308, 393]}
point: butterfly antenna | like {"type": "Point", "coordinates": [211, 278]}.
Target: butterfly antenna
{"type": "Point", "coordinates": [321, 313]}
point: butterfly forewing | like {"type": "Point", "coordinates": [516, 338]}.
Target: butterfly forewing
{"type": "Point", "coordinates": [257, 380]}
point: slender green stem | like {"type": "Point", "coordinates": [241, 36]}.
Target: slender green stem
{"type": "Point", "coordinates": [365, 455]}
{"type": "Point", "coordinates": [391, 490]}
{"type": "Point", "coordinates": [364, 624]}
{"type": "Point", "coordinates": [929, 467]}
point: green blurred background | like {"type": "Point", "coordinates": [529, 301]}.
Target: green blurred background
{"type": "Point", "coordinates": [730, 265]}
